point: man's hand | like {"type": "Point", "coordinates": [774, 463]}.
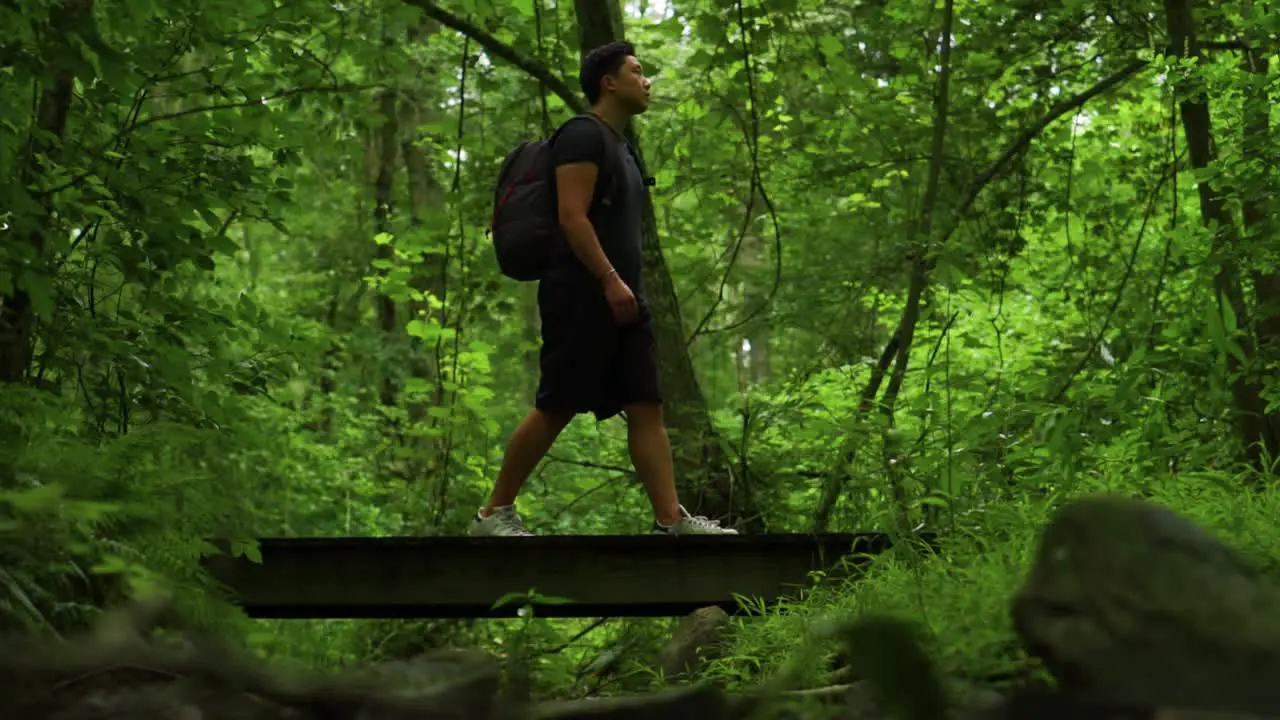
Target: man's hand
{"type": "Point", "coordinates": [621, 300]}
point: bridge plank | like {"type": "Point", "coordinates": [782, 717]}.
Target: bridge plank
{"type": "Point", "coordinates": [598, 575]}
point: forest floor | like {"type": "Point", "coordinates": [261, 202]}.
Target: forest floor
{"type": "Point", "coordinates": [918, 637]}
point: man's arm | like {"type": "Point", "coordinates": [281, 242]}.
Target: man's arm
{"type": "Point", "coordinates": [575, 187]}
{"type": "Point", "coordinates": [578, 154]}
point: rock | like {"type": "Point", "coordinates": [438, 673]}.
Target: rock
{"type": "Point", "coordinates": [462, 680]}
{"type": "Point", "coordinates": [1128, 604]}
{"type": "Point", "coordinates": [887, 654]}
{"type": "Point", "coordinates": [1047, 704]}
{"type": "Point", "coordinates": [459, 684]}
{"type": "Point", "coordinates": [694, 703]}
{"type": "Point", "coordinates": [697, 639]}
{"type": "Point", "coordinates": [126, 678]}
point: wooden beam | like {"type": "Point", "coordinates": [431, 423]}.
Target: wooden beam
{"type": "Point", "coordinates": [596, 576]}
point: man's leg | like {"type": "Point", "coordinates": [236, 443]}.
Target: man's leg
{"type": "Point", "coordinates": [565, 375]}
{"type": "Point", "coordinates": [526, 446]}
{"type": "Point", "coordinates": [651, 455]}
{"type": "Point", "coordinates": [525, 449]}
{"type": "Point", "coordinates": [635, 385]}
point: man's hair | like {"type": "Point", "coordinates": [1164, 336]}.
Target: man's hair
{"type": "Point", "coordinates": [604, 60]}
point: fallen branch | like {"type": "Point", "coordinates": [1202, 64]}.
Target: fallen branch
{"type": "Point", "coordinates": [830, 692]}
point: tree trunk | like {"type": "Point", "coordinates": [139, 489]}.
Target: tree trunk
{"type": "Point", "coordinates": [429, 274]}
{"type": "Point", "coordinates": [327, 380]}
{"type": "Point", "coordinates": [1250, 407]}
{"type": "Point", "coordinates": [386, 141]}
{"type": "Point", "coordinates": [899, 347]}
{"type": "Point", "coordinates": [1259, 229]}
{"type": "Point", "coordinates": [429, 458]}
{"type": "Point", "coordinates": [703, 472]}
{"type": "Point", "coordinates": [17, 306]}
{"type": "Point", "coordinates": [753, 349]}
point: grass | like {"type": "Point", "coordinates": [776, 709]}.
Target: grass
{"type": "Point", "coordinates": [961, 597]}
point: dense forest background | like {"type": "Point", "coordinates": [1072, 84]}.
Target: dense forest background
{"type": "Point", "coordinates": [935, 264]}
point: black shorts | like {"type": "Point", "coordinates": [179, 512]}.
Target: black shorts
{"type": "Point", "coordinates": [588, 362]}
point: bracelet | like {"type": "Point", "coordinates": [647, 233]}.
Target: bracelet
{"type": "Point", "coordinates": [612, 271]}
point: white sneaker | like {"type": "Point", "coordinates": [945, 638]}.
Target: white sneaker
{"type": "Point", "coordinates": [692, 525]}
{"type": "Point", "coordinates": [504, 522]}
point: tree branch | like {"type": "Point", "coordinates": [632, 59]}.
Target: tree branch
{"type": "Point", "coordinates": [499, 49]}
{"type": "Point", "coordinates": [900, 344]}
{"type": "Point", "coordinates": [581, 634]}
{"type": "Point", "coordinates": [233, 105]}
{"type": "Point", "coordinates": [588, 464]}
{"type": "Point", "coordinates": [1024, 139]}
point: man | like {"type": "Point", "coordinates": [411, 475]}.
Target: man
{"type": "Point", "coordinates": [597, 335]}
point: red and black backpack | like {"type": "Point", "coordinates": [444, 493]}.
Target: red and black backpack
{"type": "Point", "coordinates": [525, 220]}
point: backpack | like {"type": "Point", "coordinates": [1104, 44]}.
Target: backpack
{"type": "Point", "coordinates": [525, 221]}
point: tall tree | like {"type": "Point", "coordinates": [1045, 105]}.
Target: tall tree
{"type": "Point", "coordinates": [1259, 430]}
{"type": "Point", "coordinates": [27, 283]}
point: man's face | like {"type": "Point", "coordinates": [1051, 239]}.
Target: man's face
{"type": "Point", "coordinates": [630, 86]}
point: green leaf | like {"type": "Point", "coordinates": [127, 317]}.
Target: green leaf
{"type": "Point", "coordinates": [40, 290]}
{"type": "Point", "coordinates": [38, 498]}
{"type": "Point", "coordinates": [831, 46]}
{"type": "Point", "coordinates": [248, 549]}
{"type": "Point", "coordinates": [427, 330]}
{"type": "Point", "coordinates": [212, 220]}
{"type": "Point", "coordinates": [418, 386]}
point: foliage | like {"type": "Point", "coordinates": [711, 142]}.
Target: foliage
{"type": "Point", "coordinates": [262, 301]}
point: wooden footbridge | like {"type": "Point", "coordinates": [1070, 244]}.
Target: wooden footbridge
{"type": "Point", "coordinates": [559, 576]}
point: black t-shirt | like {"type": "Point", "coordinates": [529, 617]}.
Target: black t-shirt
{"type": "Point", "coordinates": [615, 217]}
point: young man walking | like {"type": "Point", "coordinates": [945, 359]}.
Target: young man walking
{"type": "Point", "coordinates": [598, 350]}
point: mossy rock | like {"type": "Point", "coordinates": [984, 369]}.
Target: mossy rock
{"type": "Point", "coordinates": [698, 638]}
{"type": "Point", "coordinates": [1129, 603]}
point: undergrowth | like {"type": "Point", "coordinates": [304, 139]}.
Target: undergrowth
{"type": "Point", "coordinates": [88, 519]}
{"type": "Point", "coordinates": [962, 595]}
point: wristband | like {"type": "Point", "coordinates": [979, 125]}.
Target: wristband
{"type": "Point", "coordinates": [612, 271]}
